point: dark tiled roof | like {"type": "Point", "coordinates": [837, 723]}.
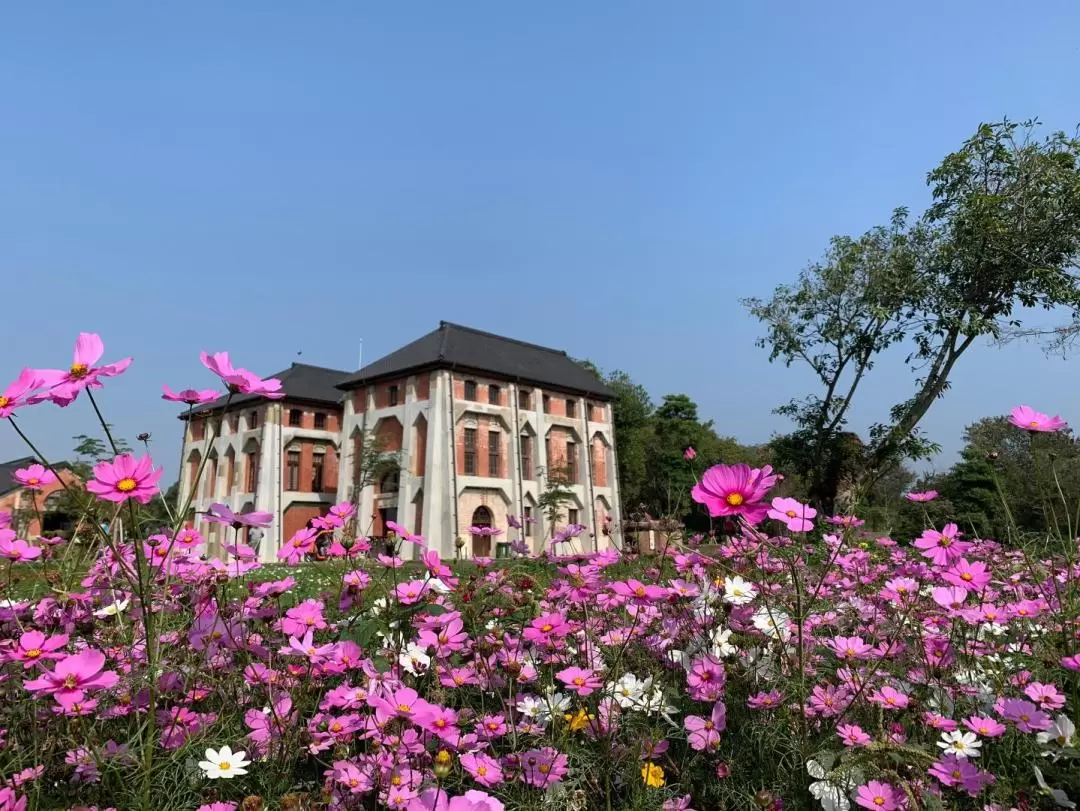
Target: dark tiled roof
{"type": "Point", "coordinates": [452, 345]}
{"type": "Point", "coordinates": [299, 382]}
{"type": "Point", "coordinates": [7, 472]}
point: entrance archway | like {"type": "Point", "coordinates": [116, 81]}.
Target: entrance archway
{"type": "Point", "coordinates": [481, 544]}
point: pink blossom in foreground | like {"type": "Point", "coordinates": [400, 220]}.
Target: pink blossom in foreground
{"type": "Point", "coordinates": [579, 680]}
{"type": "Point", "coordinates": [189, 396]}
{"type": "Point", "coordinates": [1029, 419]}
{"type": "Point", "coordinates": [241, 381]}
{"type": "Point", "coordinates": [125, 477]}
{"type": "Point", "coordinates": [16, 549]}
{"type": "Point", "coordinates": [34, 648]}
{"type": "Point", "coordinates": [727, 490]}
{"type": "Point", "coordinates": [924, 496]}
{"type": "Point", "coordinates": [793, 513]}
{"type": "Point", "coordinates": [34, 477]}
{"type": "Point", "coordinates": [20, 393]}
{"type": "Point", "coordinates": [942, 547]}
{"type": "Point", "coordinates": [689, 454]}
{"type": "Point", "coordinates": [877, 796]}
{"type": "Point", "coordinates": [221, 514]}
{"type": "Point", "coordinates": [64, 386]}
{"type": "Point", "coordinates": [77, 673]}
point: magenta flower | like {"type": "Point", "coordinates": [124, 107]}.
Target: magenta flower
{"type": "Point", "coordinates": [20, 393]}
{"type": "Point", "coordinates": [82, 374]}
{"type": "Point", "coordinates": [78, 673]}
{"type": "Point", "coordinates": [34, 477]}
{"type": "Point", "coordinates": [579, 680]}
{"type": "Point", "coordinates": [189, 396]}
{"type": "Point", "coordinates": [849, 647]}
{"type": "Point", "coordinates": [543, 767]}
{"type": "Point", "coordinates": [34, 648]}
{"type": "Point", "coordinates": [221, 514]}
{"type": "Point", "coordinates": [925, 495]}
{"type": "Point", "coordinates": [793, 513]}
{"type": "Point", "coordinates": [483, 768]}
{"type": "Point", "coordinates": [16, 549]}
{"type": "Point", "coordinates": [735, 490]}
{"type": "Point", "coordinates": [968, 575]}
{"type": "Point", "coordinates": [474, 800]}
{"type": "Point", "coordinates": [689, 454]}
{"type": "Point", "coordinates": [1026, 716]}
{"type": "Point", "coordinates": [987, 727]}
{"type": "Point", "coordinates": [877, 796]}
{"type": "Point", "coordinates": [1029, 419]}
{"type": "Point", "coordinates": [943, 547]}
{"type": "Point", "coordinates": [853, 735]}
{"type": "Point", "coordinates": [241, 381]}
{"type": "Point", "coordinates": [125, 477]}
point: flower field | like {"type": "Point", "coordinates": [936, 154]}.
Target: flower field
{"type": "Point", "coordinates": [800, 662]}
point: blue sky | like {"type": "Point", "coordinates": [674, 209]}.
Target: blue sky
{"type": "Point", "coordinates": [609, 178]}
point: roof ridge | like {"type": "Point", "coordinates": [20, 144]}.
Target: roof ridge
{"type": "Point", "coordinates": [320, 368]}
{"type": "Point", "coordinates": [476, 331]}
{"type": "Point", "coordinates": [19, 460]}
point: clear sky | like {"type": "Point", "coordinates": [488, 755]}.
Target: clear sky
{"type": "Point", "coordinates": [608, 178]}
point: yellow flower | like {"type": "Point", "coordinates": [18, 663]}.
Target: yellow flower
{"type": "Point", "coordinates": [442, 763]}
{"type": "Point", "coordinates": [579, 720]}
{"type": "Point", "coordinates": [653, 775]}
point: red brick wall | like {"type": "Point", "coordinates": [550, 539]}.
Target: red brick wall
{"type": "Point", "coordinates": [12, 502]}
{"type": "Point", "coordinates": [230, 473]}
{"type": "Point", "coordinates": [423, 386]}
{"type": "Point", "coordinates": [599, 462]}
{"type": "Point", "coordinates": [391, 435]}
{"type": "Point", "coordinates": [198, 429]}
{"type": "Point", "coordinates": [484, 425]}
{"type": "Point", "coordinates": [307, 457]}
{"type": "Point", "coordinates": [359, 400]}
{"type": "Point", "coordinates": [419, 448]}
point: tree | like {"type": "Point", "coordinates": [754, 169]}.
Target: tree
{"type": "Point", "coordinates": [1002, 233]}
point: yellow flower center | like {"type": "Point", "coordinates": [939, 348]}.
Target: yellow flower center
{"type": "Point", "coordinates": [403, 707]}
{"type": "Point", "coordinates": [443, 758]}
{"type": "Point", "coordinates": [126, 485]}
{"type": "Point", "coordinates": [481, 770]}
{"type": "Point", "coordinates": [546, 627]}
{"type": "Point", "coordinates": [543, 768]}
{"type": "Point", "coordinates": [579, 681]}
{"type": "Point", "coordinates": [879, 800]}
{"type": "Point", "coordinates": [33, 653]}
{"type": "Point", "coordinates": [33, 480]}
{"type": "Point", "coordinates": [791, 514]}
{"type": "Point", "coordinates": [71, 682]}
{"type": "Point", "coordinates": [1033, 424]}
{"type": "Point", "coordinates": [734, 499]}
{"type": "Point", "coordinates": [3, 401]}
{"type": "Point", "coordinates": [78, 370]}
{"type": "Point", "coordinates": [224, 765]}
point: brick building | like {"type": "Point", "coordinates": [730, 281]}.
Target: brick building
{"type": "Point", "coordinates": [26, 505]}
{"type": "Point", "coordinates": [473, 423]}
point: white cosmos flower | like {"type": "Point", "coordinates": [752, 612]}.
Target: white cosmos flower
{"type": "Point", "coordinates": [378, 606]}
{"type": "Point", "coordinates": [224, 763]}
{"type": "Point", "coordinates": [738, 591]}
{"type": "Point", "coordinates": [627, 691]}
{"type": "Point", "coordinates": [721, 647]}
{"type": "Point", "coordinates": [774, 623]}
{"type": "Point", "coordinates": [1061, 732]}
{"type": "Point", "coordinates": [553, 704]}
{"type": "Point", "coordinates": [112, 610]}
{"type": "Point", "coordinates": [438, 586]}
{"type": "Point", "coordinates": [530, 706]}
{"type": "Point", "coordinates": [963, 745]}
{"type": "Point", "coordinates": [832, 797]}
{"type": "Point", "coordinates": [414, 659]}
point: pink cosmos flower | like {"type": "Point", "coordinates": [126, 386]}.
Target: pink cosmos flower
{"type": "Point", "coordinates": [483, 768]}
{"type": "Point", "coordinates": [579, 680]}
{"type": "Point", "coordinates": [34, 477]}
{"type": "Point", "coordinates": [853, 735]}
{"type": "Point", "coordinates": [20, 393]}
{"type": "Point", "coordinates": [689, 454]}
{"type": "Point", "coordinates": [968, 575]}
{"type": "Point", "coordinates": [241, 381]}
{"type": "Point", "coordinates": [1071, 662]}
{"type": "Point", "coordinates": [793, 513]}
{"type": "Point", "coordinates": [543, 767]}
{"type": "Point", "coordinates": [16, 549]}
{"type": "Point", "coordinates": [221, 514]}
{"type": "Point", "coordinates": [877, 796]}
{"type": "Point", "coordinates": [735, 490]}
{"type": "Point", "coordinates": [987, 727]}
{"type": "Point", "coordinates": [925, 495]}
{"type": "Point", "coordinates": [1026, 716]}
{"type": "Point", "coordinates": [889, 698]}
{"type": "Point", "coordinates": [1047, 696]}
{"type": "Point", "coordinates": [952, 771]}
{"type": "Point", "coordinates": [1029, 419]}
{"type": "Point", "coordinates": [703, 734]}
{"type": "Point", "coordinates": [849, 647]}
{"type": "Point", "coordinates": [189, 396]}
{"type": "Point", "coordinates": [125, 477]}
{"type": "Point", "coordinates": [34, 648]}
{"type": "Point", "coordinates": [638, 592]}
{"type": "Point", "coordinates": [10, 801]}
{"type": "Point", "coordinates": [942, 547]}
{"type": "Point", "coordinates": [64, 386]}
{"type": "Point", "coordinates": [75, 674]}
{"type": "Point", "coordinates": [950, 597]}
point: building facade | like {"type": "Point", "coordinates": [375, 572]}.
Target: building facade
{"type": "Point", "coordinates": [39, 511]}
{"type": "Point", "coordinates": [457, 430]}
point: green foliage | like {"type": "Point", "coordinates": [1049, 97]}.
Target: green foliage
{"type": "Point", "coordinates": [1003, 233]}
{"type": "Point", "coordinates": [556, 493]}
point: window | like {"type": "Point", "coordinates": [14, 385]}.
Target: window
{"type": "Point", "coordinates": [493, 453]}
{"type": "Point", "coordinates": [470, 451]}
{"type": "Point", "coordinates": [525, 445]}
{"type": "Point", "coordinates": [547, 454]}
{"type": "Point", "coordinates": [234, 423]}
{"type": "Point", "coordinates": [320, 421]}
{"type": "Point", "coordinates": [596, 412]}
{"type": "Point", "coordinates": [252, 471]}
{"type": "Point", "coordinates": [390, 483]}
{"type": "Point", "coordinates": [524, 399]}
{"type": "Point", "coordinates": [317, 472]}
{"type": "Point", "coordinates": [392, 396]}
{"type": "Point", "coordinates": [292, 470]}
{"type": "Point", "coordinates": [547, 404]}
{"type": "Point", "coordinates": [571, 407]}
{"type": "Point", "coordinates": [470, 390]}
{"type": "Point", "coordinates": [502, 550]}
{"type": "Point", "coordinates": [571, 463]}
{"type": "Point", "coordinates": [528, 522]}
{"type": "Point", "coordinates": [494, 394]}
{"type": "Point", "coordinates": [571, 516]}
{"type": "Point", "coordinates": [253, 420]}
{"type": "Point", "coordinates": [296, 417]}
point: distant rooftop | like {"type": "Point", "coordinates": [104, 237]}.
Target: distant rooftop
{"type": "Point", "coordinates": [7, 472]}
{"type": "Point", "coordinates": [471, 350]}
{"type": "Point", "coordinates": [300, 381]}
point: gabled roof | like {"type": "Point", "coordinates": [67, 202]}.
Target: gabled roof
{"type": "Point", "coordinates": [7, 472]}
{"type": "Point", "coordinates": [457, 347]}
{"type": "Point", "coordinates": [300, 381]}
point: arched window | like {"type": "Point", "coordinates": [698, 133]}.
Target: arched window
{"type": "Point", "coordinates": [390, 483]}
{"type": "Point", "coordinates": [481, 544]}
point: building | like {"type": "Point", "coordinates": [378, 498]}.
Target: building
{"type": "Point", "coordinates": [473, 426]}
{"type": "Point", "coordinates": [25, 505]}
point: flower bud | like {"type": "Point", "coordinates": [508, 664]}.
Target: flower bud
{"type": "Point", "coordinates": [763, 799]}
